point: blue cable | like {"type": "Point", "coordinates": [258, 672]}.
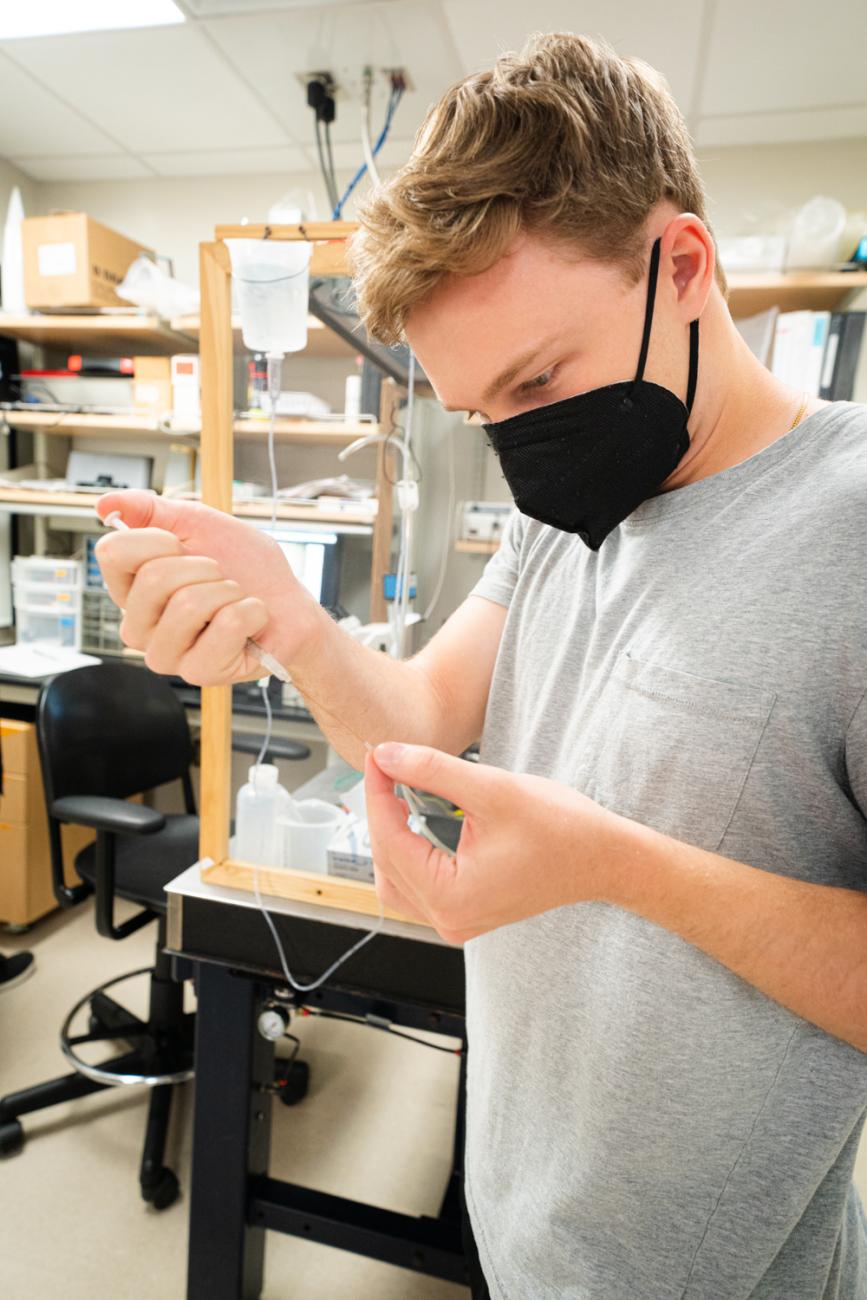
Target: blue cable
{"type": "Point", "coordinates": [393, 103]}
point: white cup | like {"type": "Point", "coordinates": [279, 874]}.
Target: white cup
{"type": "Point", "coordinates": [307, 834]}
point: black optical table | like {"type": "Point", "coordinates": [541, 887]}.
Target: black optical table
{"type": "Point", "coordinates": [406, 974]}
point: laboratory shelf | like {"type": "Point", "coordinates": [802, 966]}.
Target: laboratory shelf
{"type": "Point", "coordinates": [80, 505]}
{"type": "Point", "coordinates": [84, 424]}
{"type": "Point", "coordinates": [74, 423]}
{"type": "Point", "coordinates": [105, 333]}
{"type": "Point", "coordinates": [752, 292]}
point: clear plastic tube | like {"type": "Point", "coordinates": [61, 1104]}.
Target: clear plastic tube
{"type": "Point", "coordinates": [114, 520]}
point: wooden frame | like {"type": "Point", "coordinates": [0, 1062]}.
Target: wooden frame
{"type": "Point", "coordinates": [217, 473]}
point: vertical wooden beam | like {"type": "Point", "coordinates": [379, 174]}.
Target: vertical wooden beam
{"type": "Point", "coordinates": [380, 560]}
{"type": "Point", "coordinates": [215, 346]}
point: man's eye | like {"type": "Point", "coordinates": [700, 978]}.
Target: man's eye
{"type": "Point", "coordinates": [541, 381]}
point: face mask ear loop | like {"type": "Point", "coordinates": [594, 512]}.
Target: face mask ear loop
{"type": "Point", "coordinates": [693, 363]}
{"type": "Point", "coordinates": [648, 313]}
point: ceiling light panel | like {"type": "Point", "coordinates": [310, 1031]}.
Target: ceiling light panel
{"type": "Point", "coordinates": [61, 17]}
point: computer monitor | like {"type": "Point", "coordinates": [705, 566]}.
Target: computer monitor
{"type": "Point", "coordinates": [313, 555]}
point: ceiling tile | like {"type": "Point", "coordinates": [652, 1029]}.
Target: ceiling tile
{"type": "Point", "coordinates": [270, 50]}
{"type": "Point", "coordinates": [154, 89]}
{"type": "Point", "coordinates": [68, 167]}
{"type": "Point", "coordinates": [766, 57]}
{"type": "Point", "coordinates": [228, 162]}
{"type": "Point", "coordinates": [34, 121]}
{"type": "Point", "coordinates": [774, 128]}
{"type": "Point", "coordinates": [665, 36]}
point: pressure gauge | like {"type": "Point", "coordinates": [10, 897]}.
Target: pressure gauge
{"type": "Point", "coordinates": [273, 1022]}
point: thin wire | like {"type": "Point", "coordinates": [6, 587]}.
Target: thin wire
{"type": "Point", "coordinates": [332, 197]}
{"type": "Point", "coordinates": [396, 96]}
{"type": "Point", "coordinates": [275, 363]}
{"type": "Point", "coordinates": [275, 372]}
{"type": "Point", "coordinates": [331, 170]}
{"type": "Point", "coordinates": [447, 544]}
{"type": "Point", "coordinates": [266, 740]}
{"type": "Point", "coordinates": [387, 1029]}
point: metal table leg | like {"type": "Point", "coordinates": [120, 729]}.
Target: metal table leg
{"type": "Point", "coordinates": [231, 1137]}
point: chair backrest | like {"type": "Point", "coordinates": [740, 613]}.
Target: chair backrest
{"type": "Point", "coordinates": [110, 729]}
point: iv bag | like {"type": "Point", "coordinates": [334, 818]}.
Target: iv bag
{"type": "Point", "coordinates": [272, 278]}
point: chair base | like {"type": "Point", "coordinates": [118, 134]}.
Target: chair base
{"type": "Point", "coordinates": [158, 1061]}
{"type": "Point", "coordinates": [160, 1053]}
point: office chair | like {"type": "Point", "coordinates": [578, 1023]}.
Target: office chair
{"type": "Point", "coordinates": [106, 732]}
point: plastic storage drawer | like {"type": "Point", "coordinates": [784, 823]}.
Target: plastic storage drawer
{"type": "Point", "coordinates": [46, 571]}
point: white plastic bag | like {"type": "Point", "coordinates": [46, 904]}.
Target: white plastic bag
{"type": "Point", "coordinates": [148, 286]}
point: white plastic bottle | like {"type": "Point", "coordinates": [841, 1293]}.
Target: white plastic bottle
{"type": "Point", "coordinates": [258, 838]}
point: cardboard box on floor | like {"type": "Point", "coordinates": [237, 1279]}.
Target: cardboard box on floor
{"type": "Point", "coordinates": [70, 260]}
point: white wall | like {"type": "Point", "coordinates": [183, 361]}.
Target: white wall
{"type": "Point", "coordinates": [10, 176]}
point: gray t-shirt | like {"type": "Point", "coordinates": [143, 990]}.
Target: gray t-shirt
{"type": "Point", "coordinates": [642, 1122]}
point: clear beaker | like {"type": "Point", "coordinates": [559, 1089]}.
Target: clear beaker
{"type": "Point", "coordinates": [307, 832]}
{"type": "Point", "coordinates": [273, 279]}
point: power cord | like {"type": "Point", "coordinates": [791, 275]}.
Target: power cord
{"type": "Point", "coordinates": [398, 87]}
{"type": "Point", "coordinates": [379, 1022]}
{"type": "Point", "coordinates": [320, 99]}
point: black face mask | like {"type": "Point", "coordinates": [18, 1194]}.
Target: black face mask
{"type": "Point", "coordinates": [582, 465]}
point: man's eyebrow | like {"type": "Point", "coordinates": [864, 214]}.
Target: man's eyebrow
{"type": "Point", "coordinates": [506, 376]}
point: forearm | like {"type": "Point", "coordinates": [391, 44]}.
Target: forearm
{"type": "Point", "coordinates": [358, 694]}
{"type": "Point", "coordinates": [803, 945]}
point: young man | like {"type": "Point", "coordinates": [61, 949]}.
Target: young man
{"type": "Point", "coordinates": [660, 882]}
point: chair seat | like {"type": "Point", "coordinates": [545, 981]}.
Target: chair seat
{"type": "Point", "coordinates": [144, 864]}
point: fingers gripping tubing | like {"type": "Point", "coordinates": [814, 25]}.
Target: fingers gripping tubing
{"type": "Point", "coordinates": [114, 520]}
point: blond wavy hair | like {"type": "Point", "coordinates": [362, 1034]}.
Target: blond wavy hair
{"type": "Point", "coordinates": [565, 140]}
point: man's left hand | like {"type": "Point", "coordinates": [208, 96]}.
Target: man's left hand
{"type": "Point", "coordinates": [527, 844]}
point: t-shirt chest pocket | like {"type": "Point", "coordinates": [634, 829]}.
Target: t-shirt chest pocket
{"type": "Point", "coordinates": [671, 749]}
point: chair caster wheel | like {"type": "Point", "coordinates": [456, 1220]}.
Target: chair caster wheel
{"type": "Point", "coordinates": [294, 1082]}
{"type": "Point", "coordinates": [163, 1191]}
{"type": "Point", "coordinates": [11, 1137]}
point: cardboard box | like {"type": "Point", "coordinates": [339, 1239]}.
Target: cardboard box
{"type": "Point", "coordinates": [152, 385]}
{"type": "Point", "coordinates": [70, 260]}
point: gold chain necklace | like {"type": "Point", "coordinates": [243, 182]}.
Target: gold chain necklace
{"type": "Point", "coordinates": [801, 411]}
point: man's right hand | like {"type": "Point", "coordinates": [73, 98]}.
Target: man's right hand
{"type": "Point", "coordinates": [194, 583]}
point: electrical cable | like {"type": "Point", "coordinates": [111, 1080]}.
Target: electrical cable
{"type": "Point", "coordinates": [331, 172]}
{"type": "Point", "coordinates": [394, 100]}
{"type": "Point", "coordinates": [329, 187]}
{"type": "Point", "coordinates": [376, 1022]}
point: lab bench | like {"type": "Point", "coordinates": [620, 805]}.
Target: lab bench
{"type": "Point", "coordinates": [406, 976]}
